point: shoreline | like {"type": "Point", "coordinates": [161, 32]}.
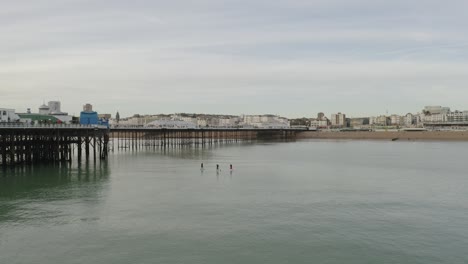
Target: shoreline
{"type": "Point", "coordinates": [389, 135]}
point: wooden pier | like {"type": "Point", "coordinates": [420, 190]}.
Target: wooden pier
{"type": "Point", "coordinates": [138, 138]}
{"type": "Point", "coordinates": [42, 144]}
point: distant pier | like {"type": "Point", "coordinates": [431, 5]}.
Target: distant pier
{"type": "Point", "coordinates": [137, 138]}
{"type": "Point", "coordinates": [61, 143]}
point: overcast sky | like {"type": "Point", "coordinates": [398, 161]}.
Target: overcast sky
{"type": "Point", "coordinates": [288, 57]}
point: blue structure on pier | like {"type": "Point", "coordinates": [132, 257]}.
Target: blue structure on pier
{"type": "Point", "coordinates": [89, 118]}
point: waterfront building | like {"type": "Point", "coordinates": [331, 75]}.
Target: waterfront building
{"type": "Point", "coordinates": [8, 115]}
{"type": "Point", "coordinates": [171, 124]}
{"type": "Point", "coordinates": [320, 122]}
{"type": "Point", "coordinates": [435, 118]}
{"type": "Point", "coordinates": [359, 122]}
{"type": "Point", "coordinates": [138, 120]}
{"type": "Point", "coordinates": [320, 116]}
{"type": "Point", "coordinates": [104, 116]}
{"type": "Point", "coordinates": [55, 108]}
{"type": "Point", "coordinates": [202, 122]}
{"type": "Point", "coordinates": [228, 122]}
{"type": "Point", "coordinates": [44, 109]}
{"type": "Point", "coordinates": [338, 120]}
{"type": "Point", "coordinates": [381, 120]}
{"type": "Point", "coordinates": [316, 123]}
{"type": "Point", "coordinates": [191, 118]}
{"type": "Point", "coordinates": [33, 119]}
{"type": "Point", "coordinates": [89, 118]}
{"type": "Point", "coordinates": [434, 110]}
{"type": "Point", "coordinates": [458, 117]}
{"type": "Point", "coordinates": [265, 121]}
{"type": "Point", "coordinates": [395, 120]}
{"type": "Point", "coordinates": [418, 120]}
{"type": "Point", "coordinates": [409, 120]}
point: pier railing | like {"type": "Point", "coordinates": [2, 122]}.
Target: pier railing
{"type": "Point", "coordinates": [48, 126]}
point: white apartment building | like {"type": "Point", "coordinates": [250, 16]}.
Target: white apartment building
{"type": "Point", "coordinates": [266, 121]}
{"type": "Point", "coordinates": [44, 109]}
{"type": "Point", "coordinates": [338, 120]}
{"type": "Point", "coordinates": [184, 118]}
{"type": "Point", "coordinates": [55, 108]}
{"type": "Point", "coordinates": [228, 122]}
{"type": "Point", "coordinates": [458, 117]}
{"type": "Point", "coordinates": [435, 118]}
{"type": "Point", "coordinates": [395, 120]}
{"type": "Point", "coordinates": [202, 122]}
{"type": "Point", "coordinates": [408, 120]}
{"type": "Point", "coordinates": [8, 115]}
{"type": "Point", "coordinates": [177, 124]}
{"type": "Point", "coordinates": [318, 123]}
{"type": "Point", "coordinates": [379, 120]}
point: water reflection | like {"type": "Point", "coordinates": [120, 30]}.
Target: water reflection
{"type": "Point", "coordinates": [31, 192]}
{"type": "Point", "coordinates": [205, 152]}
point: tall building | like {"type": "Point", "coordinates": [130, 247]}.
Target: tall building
{"type": "Point", "coordinates": [320, 116]}
{"type": "Point", "coordinates": [338, 120]}
{"type": "Point", "coordinates": [54, 106]}
{"type": "Point", "coordinates": [409, 120]}
{"type": "Point", "coordinates": [87, 108]}
{"type": "Point", "coordinates": [381, 120]}
{"type": "Point", "coordinates": [395, 120]}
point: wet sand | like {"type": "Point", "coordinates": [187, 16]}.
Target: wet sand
{"type": "Point", "coordinates": [391, 135]}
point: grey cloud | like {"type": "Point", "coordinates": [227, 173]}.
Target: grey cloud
{"type": "Point", "coordinates": [292, 57]}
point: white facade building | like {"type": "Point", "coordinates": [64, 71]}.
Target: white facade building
{"type": "Point", "coordinates": [458, 117]}
{"type": "Point", "coordinates": [171, 124]}
{"type": "Point", "coordinates": [55, 108]}
{"type": "Point", "coordinates": [44, 109]}
{"type": "Point", "coordinates": [395, 120]}
{"type": "Point", "coordinates": [408, 120]}
{"type": "Point", "coordinates": [8, 115]}
{"type": "Point", "coordinates": [435, 118]}
{"type": "Point", "coordinates": [316, 123]}
{"type": "Point", "coordinates": [265, 121]}
{"type": "Point", "coordinates": [202, 122]}
{"type": "Point", "coordinates": [338, 120]}
{"type": "Point", "coordinates": [379, 120]}
{"type": "Point", "coordinates": [228, 122]}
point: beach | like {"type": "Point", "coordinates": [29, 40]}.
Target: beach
{"type": "Point", "coordinates": [387, 135]}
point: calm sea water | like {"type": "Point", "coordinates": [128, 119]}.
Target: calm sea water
{"type": "Point", "coordinates": [301, 202]}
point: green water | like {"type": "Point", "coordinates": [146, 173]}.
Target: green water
{"type": "Point", "coordinates": [301, 202]}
